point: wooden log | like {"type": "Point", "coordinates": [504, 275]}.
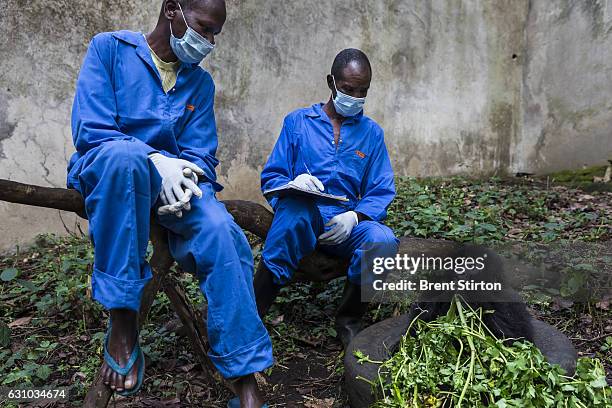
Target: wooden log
{"type": "Point", "coordinates": [48, 197]}
{"type": "Point", "coordinates": [250, 216]}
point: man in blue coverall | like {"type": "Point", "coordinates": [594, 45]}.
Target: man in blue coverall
{"type": "Point", "coordinates": [334, 148]}
{"type": "Point", "coordinates": [144, 129]}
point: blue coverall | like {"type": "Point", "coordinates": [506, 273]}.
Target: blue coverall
{"type": "Point", "coordinates": [120, 115]}
{"type": "Point", "coordinates": [358, 167]}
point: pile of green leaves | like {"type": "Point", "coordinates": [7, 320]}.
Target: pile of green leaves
{"type": "Point", "coordinates": [455, 361]}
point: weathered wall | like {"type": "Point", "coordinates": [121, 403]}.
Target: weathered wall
{"type": "Point", "coordinates": [473, 87]}
{"type": "Point", "coordinates": [566, 86]}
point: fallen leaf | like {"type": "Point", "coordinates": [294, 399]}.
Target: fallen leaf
{"type": "Point", "coordinates": [187, 367]}
{"type": "Point", "coordinates": [561, 304]}
{"type": "Point", "coordinates": [175, 402]}
{"type": "Point", "coordinates": [319, 403]}
{"type": "Point", "coordinates": [278, 320]}
{"type": "Point", "coordinates": [79, 374]}
{"type": "Point", "coordinates": [261, 380]}
{"type": "Point", "coordinates": [22, 321]}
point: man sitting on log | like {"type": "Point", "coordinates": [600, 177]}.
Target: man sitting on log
{"type": "Point", "coordinates": [144, 129]}
{"type": "Point", "coordinates": [336, 149]}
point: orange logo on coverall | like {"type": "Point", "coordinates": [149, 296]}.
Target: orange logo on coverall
{"type": "Point", "coordinates": [191, 107]}
{"type": "Point", "coordinates": [360, 154]}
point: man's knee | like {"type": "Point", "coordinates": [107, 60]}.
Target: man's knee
{"type": "Point", "coordinates": [295, 214]}
{"type": "Point", "coordinates": [121, 149]}
{"type": "Point", "coordinates": [380, 234]}
{"type": "Point", "coordinates": [207, 219]}
{"type": "Point", "coordinates": [116, 157]}
{"type": "Point", "coordinates": [296, 206]}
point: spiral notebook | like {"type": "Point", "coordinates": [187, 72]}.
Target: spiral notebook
{"type": "Point", "coordinates": [290, 189]}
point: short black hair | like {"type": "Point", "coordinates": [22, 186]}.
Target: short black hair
{"type": "Point", "coordinates": [187, 4]}
{"type": "Point", "coordinates": [345, 57]}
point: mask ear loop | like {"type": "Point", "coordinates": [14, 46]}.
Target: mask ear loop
{"type": "Point", "coordinates": [182, 14]}
{"type": "Point", "coordinates": [184, 19]}
{"type": "Point", "coordinates": [335, 87]}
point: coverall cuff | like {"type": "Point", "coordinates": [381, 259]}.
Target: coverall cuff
{"type": "Point", "coordinates": [209, 173]}
{"type": "Point", "coordinates": [252, 358]}
{"type": "Point", "coordinates": [115, 293]}
{"type": "Point", "coordinates": [354, 278]}
{"type": "Point", "coordinates": [370, 214]}
{"type": "Point", "coordinates": [142, 145]}
{"type": "Point", "coordinates": [163, 153]}
{"type": "Point", "coordinates": [280, 276]}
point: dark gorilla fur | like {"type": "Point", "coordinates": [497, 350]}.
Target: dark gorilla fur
{"type": "Point", "coordinates": [510, 318]}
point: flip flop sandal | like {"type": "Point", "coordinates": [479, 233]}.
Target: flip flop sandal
{"type": "Point", "coordinates": [235, 403]}
{"type": "Point", "coordinates": [137, 354]}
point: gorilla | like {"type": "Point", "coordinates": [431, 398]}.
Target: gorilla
{"type": "Point", "coordinates": [510, 318]}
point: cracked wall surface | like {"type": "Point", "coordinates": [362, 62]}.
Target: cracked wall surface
{"type": "Point", "coordinates": [460, 87]}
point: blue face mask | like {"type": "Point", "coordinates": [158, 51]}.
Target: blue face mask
{"type": "Point", "coordinates": [192, 48]}
{"type": "Point", "coordinates": [347, 105]}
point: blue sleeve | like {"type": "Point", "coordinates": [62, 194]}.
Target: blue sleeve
{"type": "Point", "coordinates": [94, 110]}
{"type": "Point", "coordinates": [378, 185]}
{"type": "Point", "coordinates": [278, 170]}
{"type": "Point", "coordinates": [198, 142]}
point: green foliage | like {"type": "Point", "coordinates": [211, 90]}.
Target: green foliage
{"type": "Point", "coordinates": [488, 210]}
{"type": "Point", "coordinates": [607, 346]}
{"type": "Point", "coordinates": [456, 361]}
{"type": "Point", "coordinates": [62, 343]}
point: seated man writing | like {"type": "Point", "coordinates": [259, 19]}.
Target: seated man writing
{"type": "Point", "coordinates": [144, 129]}
{"type": "Point", "coordinates": [334, 148]}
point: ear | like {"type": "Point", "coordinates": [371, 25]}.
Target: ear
{"type": "Point", "coordinates": [330, 85]}
{"type": "Point", "coordinates": [171, 9]}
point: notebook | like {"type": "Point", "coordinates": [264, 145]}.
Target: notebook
{"type": "Point", "coordinates": [290, 189]}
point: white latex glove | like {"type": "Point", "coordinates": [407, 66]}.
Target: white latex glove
{"type": "Point", "coordinates": [174, 179]}
{"type": "Point", "coordinates": [344, 224]}
{"type": "Point", "coordinates": [178, 207]}
{"type": "Point", "coordinates": [308, 182]}
{"type": "Point", "coordinates": [183, 203]}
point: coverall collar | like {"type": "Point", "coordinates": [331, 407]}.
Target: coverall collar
{"type": "Point", "coordinates": [138, 40]}
{"type": "Point", "coordinates": [316, 111]}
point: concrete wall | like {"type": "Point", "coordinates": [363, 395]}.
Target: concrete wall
{"type": "Point", "coordinates": [461, 87]}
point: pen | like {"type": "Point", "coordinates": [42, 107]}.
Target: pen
{"type": "Point", "coordinates": [306, 167]}
{"type": "Point", "coordinates": [304, 161]}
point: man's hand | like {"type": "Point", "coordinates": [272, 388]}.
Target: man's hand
{"type": "Point", "coordinates": [308, 182]}
{"type": "Point", "coordinates": [344, 224]}
{"type": "Point", "coordinates": [176, 174]}
{"type": "Point", "coordinates": [178, 207]}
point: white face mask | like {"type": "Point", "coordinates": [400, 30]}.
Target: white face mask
{"type": "Point", "coordinates": [347, 105]}
{"type": "Point", "coordinates": [192, 48]}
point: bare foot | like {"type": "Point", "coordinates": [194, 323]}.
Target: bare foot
{"type": "Point", "coordinates": [248, 391]}
{"type": "Point", "coordinates": [120, 346]}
